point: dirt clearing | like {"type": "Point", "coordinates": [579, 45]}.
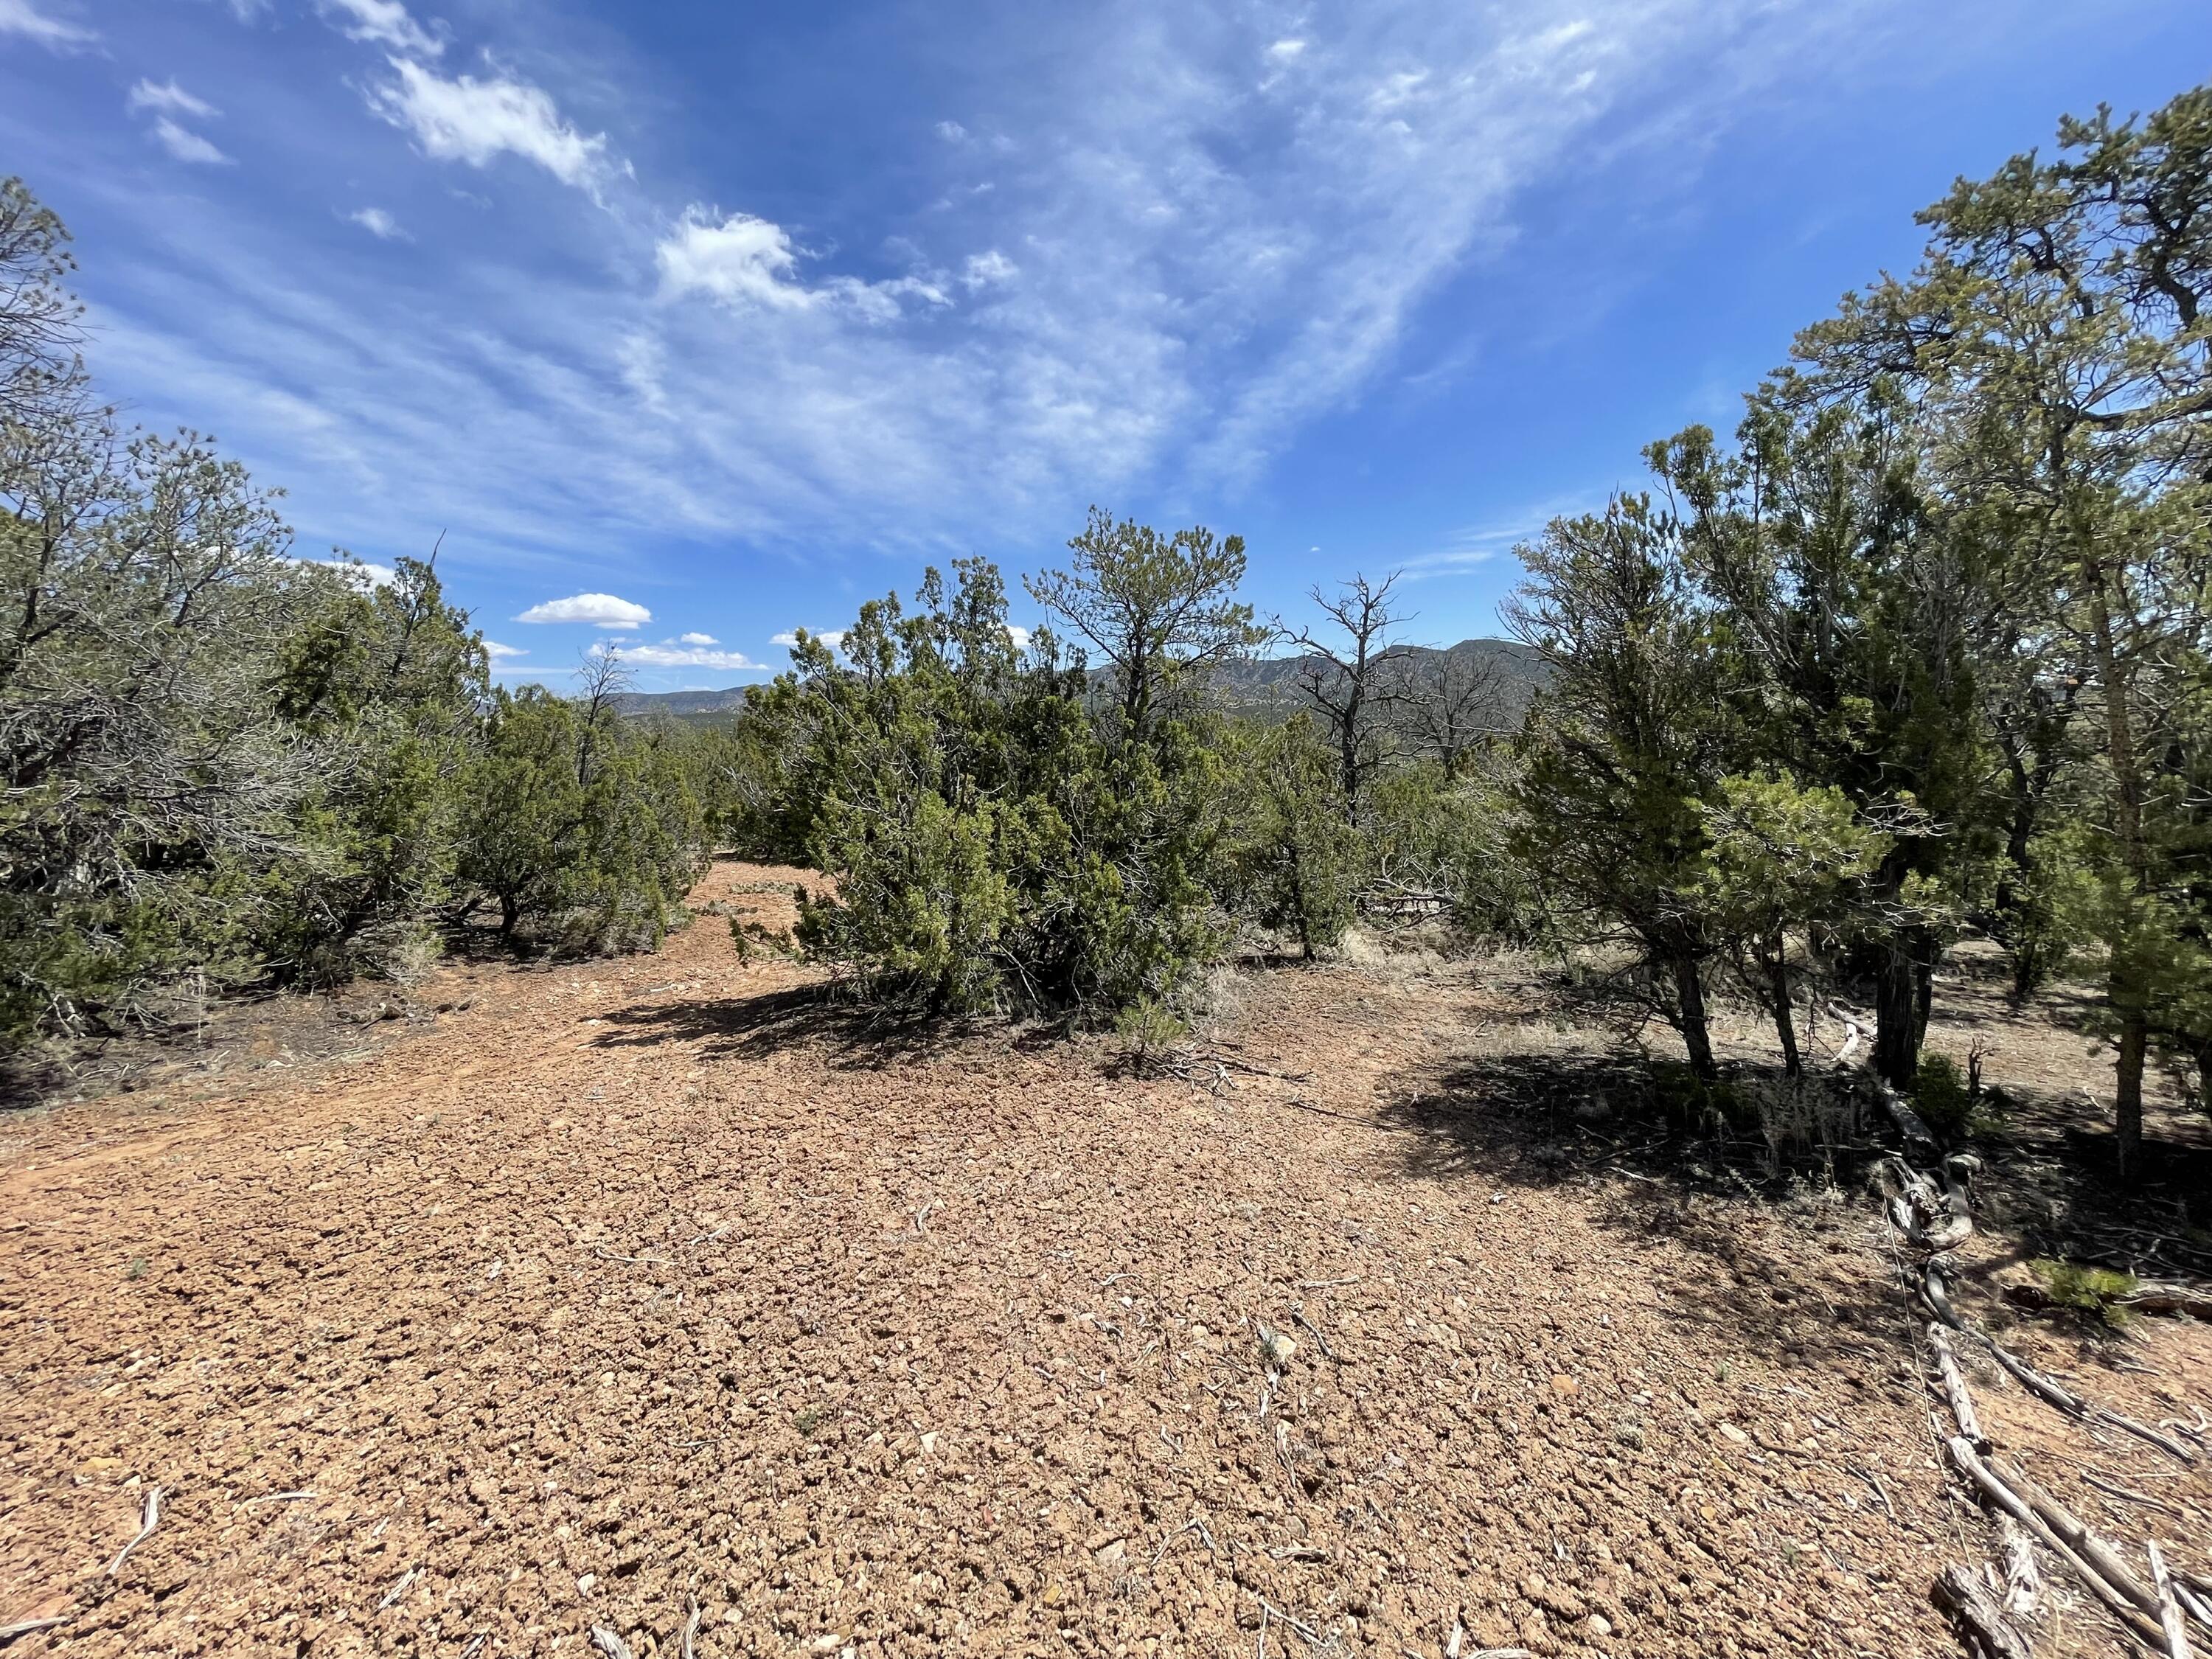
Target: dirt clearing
{"type": "Point", "coordinates": [642, 1286]}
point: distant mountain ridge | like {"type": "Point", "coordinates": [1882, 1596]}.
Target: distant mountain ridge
{"type": "Point", "coordinates": [1255, 684]}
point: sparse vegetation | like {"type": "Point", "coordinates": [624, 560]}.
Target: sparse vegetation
{"type": "Point", "coordinates": [2095, 1292]}
{"type": "Point", "coordinates": [1925, 649]}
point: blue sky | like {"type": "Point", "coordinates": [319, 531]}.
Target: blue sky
{"type": "Point", "coordinates": [687, 324]}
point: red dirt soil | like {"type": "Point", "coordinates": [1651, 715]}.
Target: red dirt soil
{"type": "Point", "coordinates": [639, 1284]}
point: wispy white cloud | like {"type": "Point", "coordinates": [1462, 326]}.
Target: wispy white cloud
{"type": "Point", "coordinates": [385, 23]}
{"type": "Point", "coordinates": [186, 145]}
{"type": "Point", "coordinates": [1472, 546]}
{"type": "Point", "coordinates": [600, 610]}
{"type": "Point", "coordinates": [360, 572]}
{"type": "Point", "coordinates": [952, 132]}
{"type": "Point", "coordinates": [499, 652]}
{"type": "Point", "coordinates": [56, 33]}
{"type": "Point", "coordinates": [1204, 266]}
{"type": "Point", "coordinates": [694, 639]}
{"type": "Point", "coordinates": [170, 99]}
{"type": "Point", "coordinates": [380, 224]}
{"type": "Point", "coordinates": [670, 656]}
{"type": "Point", "coordinates": [832, 637]}
{"type": "Point", "coordinates": [477, 121]}
{"type": "Point", "coordinates": [739, 259]}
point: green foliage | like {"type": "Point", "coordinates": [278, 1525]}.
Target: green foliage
{"type": "Point", "coordinates": [1159, 610]}
{"type": "Point", "coordinates": [584, 828]}
{"type": "Point", "coordinates": [1150, 1031]}
{"type": "Point", "coordinates": [1939, 1094]}
{"type": "Point", "coordinates": [993, 844]}
{"type": "Point", "coordinates": [1294, 859]}
{"type": "Point", "coordinates": [1437, 842]}
{"type": "Point", "coordinates": [2094, 1291]}
{"type": "Point", "coordinates": [1622, 748]}
{"type": "Point", "coordinates": [224, 765]}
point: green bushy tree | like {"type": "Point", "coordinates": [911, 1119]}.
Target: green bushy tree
{"type": "Point", "coordinates": [1623, 748]}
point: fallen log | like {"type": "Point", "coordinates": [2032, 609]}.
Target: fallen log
{"type": "Point", "coordinates": [1959, 1594]}
{"type": "Point", "coordinates": [2160, 1298]}
{"type": "Point", "coordinates": [1995, 1489]}
{"type": "Point", "coordinates": [1955, 1386]}
{"type": "Point", "coordinates": [2023, 1584]}
{"type": "Point", "coordinates": [2169, 1612]}
{"type": "Point", "coordinates": [2035, 1382]}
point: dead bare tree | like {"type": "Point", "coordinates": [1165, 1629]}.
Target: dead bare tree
{"type": "Point", "coordinates": [1449, 703]}
{"type": "Point", "coordinates": [1349, 684]}
{"type": "Point", "coordinates": [601, 679]}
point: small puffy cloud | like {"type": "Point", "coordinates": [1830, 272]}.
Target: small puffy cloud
{"type": "Point", "coordinates": [989, 268]}
{"type": "Point", "coordinates": [499, 652]}
{"type": "Point", "coordinates": [465, 120]}
{"type": "Point", "coordinates": [360, 572]}
{"type": "Point", "coordinates": [385, 22]}
{"type": "Point", "coordinates": [696, 639]}
{"type": "Point", "coordinates": [741, 259]}
{"type": "Point", "coordinates": [186, 145]}
{"type": "Point", "coordinates": [832, 637]}
{"type": "Point", "coordinates": [1286, 51]}
{"type": "Point", "coordinates": [672, 656]}
{"type": "Point", "coordinates": [952, 131]}
{"type": "Point", "coordinates": [21, 17]}
{"type": "Point", "coordinates": [380, 224]}
{"type": "Point", "coordinates": [1019, 636]}
{"type": "Point", "coordinates": [600, 610]}
{"type": "Point", "coordinates": [169, 98]}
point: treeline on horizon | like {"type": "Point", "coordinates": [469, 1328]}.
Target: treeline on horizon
{"type": "Point", "coordinates": [1920, 650]}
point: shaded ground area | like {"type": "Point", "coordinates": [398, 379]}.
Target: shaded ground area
{"type": "Point", "coordinates": [658, 1282]}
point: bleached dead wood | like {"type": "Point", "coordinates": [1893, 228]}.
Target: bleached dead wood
{"type": "Point", "coordinates": [2044, 1388]}
{"type": "Point", "coordinates": [1959, 1594]}
{"type": "Point", "coordinates": [1954, 1385]}
{"type": "Point", "coordinates": [2023, 1584]}
{"type": "Point", "coordinates": [2198, 1606]}
{"type": "Point", "coordinates": [609, 1645]}
{"type": "Point", "coordinates": [2162, 1298]}
{"type": "Point", "coordinates": [2169, 1613]}
{"type": "Point", "coordinates": [2082, 1542]}
{"type": "Point", "coordinates": [28, 1626]}
{"type": "Point", "coordinates": [2150, 1298]}
{"type": "Point", "coordinates": [2001, 1493]}
{"type": "Point", "coordinates": [145, 1531]}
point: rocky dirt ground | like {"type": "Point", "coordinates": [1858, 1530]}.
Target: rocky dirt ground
{"type": "Point", "coordinates": [618, 1290]}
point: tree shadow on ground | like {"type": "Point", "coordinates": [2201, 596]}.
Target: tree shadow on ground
{"type": "Point", "coordinates": [2053, 1177]}
{"type": "Point", "coordinates": [1778, 1255]}
{"type": "Point", "coordinates": [848, 1035]}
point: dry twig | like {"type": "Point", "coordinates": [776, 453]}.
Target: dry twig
{"type": "Point", "coordinates": [145, 1531]}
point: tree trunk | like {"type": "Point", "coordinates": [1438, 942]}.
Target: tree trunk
{"type": "Point", "coordinates": [2127, 1099]}
{"type": "Point", "coordinates": [509, 914]}
{"type": "Point", "coordinates": [1776, 955]}
{"type": "Point", "coordinates": [2124, 987]}
{"type": "Point", "coordinates": [1690, 1009]}
{"type": "Point", "coordinates": [1899, 1017]}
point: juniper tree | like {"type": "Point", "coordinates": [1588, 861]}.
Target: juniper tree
{"type": "Point", "coordinates": [2052, 329]}
{"type": "Point", "coordinates": [1623, 746]}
